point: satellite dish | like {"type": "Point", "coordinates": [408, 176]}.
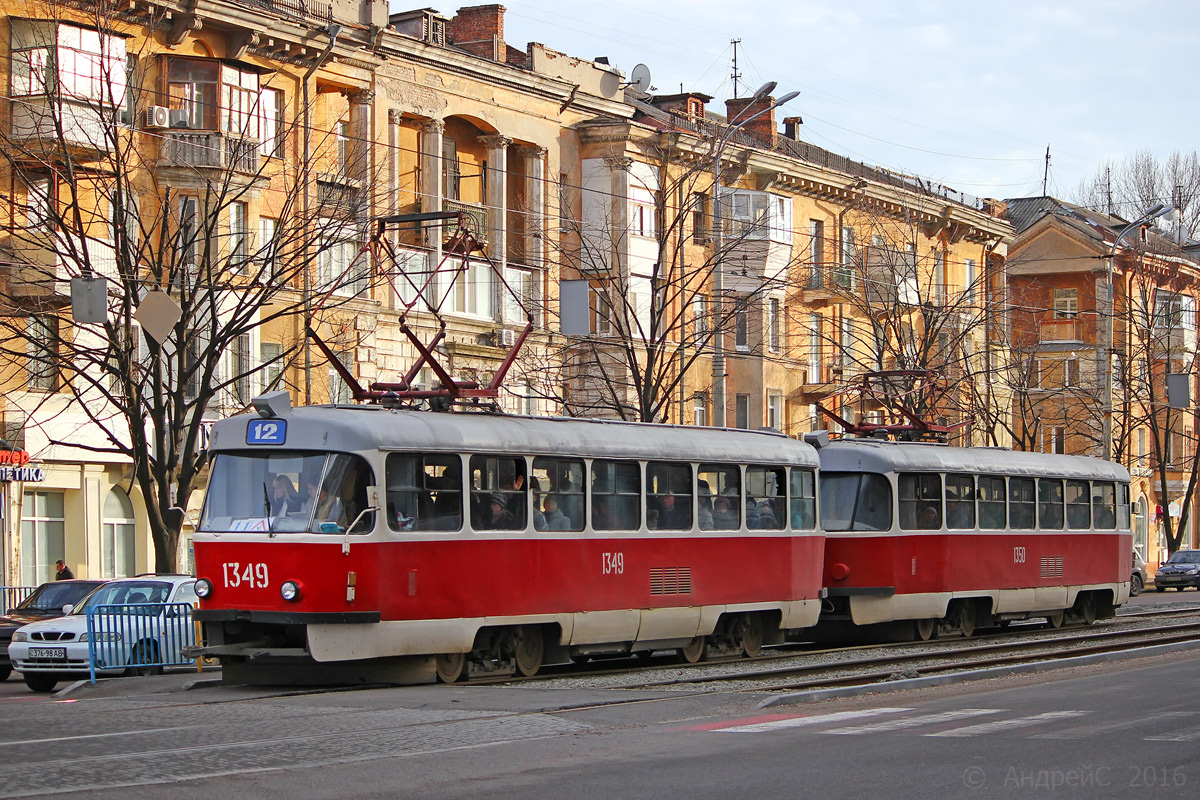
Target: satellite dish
{"type": "Point", "coordinates": [639, 78]}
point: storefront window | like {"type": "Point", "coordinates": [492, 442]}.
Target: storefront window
{"type": "Point", "coordinates": [43, 536]}
{"type": "Point", "coordinates": [117, 551]}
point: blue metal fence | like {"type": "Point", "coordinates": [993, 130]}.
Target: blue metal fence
{"type": "Point", "coordinates": [11, 596]}
{"type": "Point", "coordinates": [146, 636]}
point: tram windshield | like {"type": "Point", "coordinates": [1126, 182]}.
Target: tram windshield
{"type": "Point", "coordinates": [288, 492]}
{"type": "Point", "coordinates": [855, 501]}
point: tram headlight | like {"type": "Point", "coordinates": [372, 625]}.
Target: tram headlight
{"type": "Point", "coordinates": [290, 591]}
{"type": "Point", "coordinates": [204, 587]}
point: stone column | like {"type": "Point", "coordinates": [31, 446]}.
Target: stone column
{"type": "Point", "coordinates": [496, 203]}
{"type": "Point", "coordinates": [361, 113]}
{"type": "Point", "coordinates": [429, 192]}
{"type": "Point", "coordinates": [535, 198]}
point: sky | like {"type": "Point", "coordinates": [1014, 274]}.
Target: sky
{"type": "Point", "coordinates": [967, 94]}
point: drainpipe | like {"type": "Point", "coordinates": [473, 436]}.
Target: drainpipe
{"type": "Point", "coordinates": [323, 59]}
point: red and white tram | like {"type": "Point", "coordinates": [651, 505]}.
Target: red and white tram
{"type": "Point", "coordinates": [944, 538]}
{"type": "Point", "coordinates": [396, 544]}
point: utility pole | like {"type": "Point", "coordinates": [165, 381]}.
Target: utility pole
{"type": "Point", "coordinates": [736, 75]}
{"type": "Point", "coordinates": [1046, 173]}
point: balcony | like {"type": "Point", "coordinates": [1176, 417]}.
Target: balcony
{"type": "Point", "coordinates": [1060, 330]}
{"type": "Point", "coordinates": [210, 150]}
{"type": "Point", "coordinates": [824, 285]}
{"type": "Point", "coordinates": [1173, 342]}
{"type": "Point", "coordinates": [86, 133]}
{"type": "Point", "coordinates": [339, 196]}
{"type": "Point", "coordinates": [475, 217]}
{"type": "Point", "coordinates": [44, 263]}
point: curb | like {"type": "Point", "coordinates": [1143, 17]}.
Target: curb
{"type": "Point", "coordinates": [973, 675]}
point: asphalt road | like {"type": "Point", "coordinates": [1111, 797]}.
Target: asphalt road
{"type": "Point", "coordinates": [1131, 728]}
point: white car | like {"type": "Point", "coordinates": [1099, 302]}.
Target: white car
{"type": "Point", "coordinates": [139, 643]}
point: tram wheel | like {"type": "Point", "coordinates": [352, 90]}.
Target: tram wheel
{"type": "Point", "coordinates": [750, 634]}
{"type": "Point", "coordinates": [529, 648]}
{"type": "Point", "coordinates": [966, 619]}
{"type": "Point", "coordinates": [451, 667]}
{"type": "Point", "coordinates": [694, 651]}
{"type": "Point", "coordinates": [1087, 611]}
{"type": "Point", "coordinates": [924, 629]}
{"type": "Point", "coordinates": [1055, 620]}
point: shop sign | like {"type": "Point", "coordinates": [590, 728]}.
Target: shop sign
{"type": "Point", "coordinates": [15, 466]}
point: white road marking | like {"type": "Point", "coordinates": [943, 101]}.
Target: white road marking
{"type": "Point", "coordinates": [815, 719]}
{"type": "Point", "coordinates": [1008, 724]}
{"type": "Point", "coordinates": [913, 722]}
{"type": "Point", "coordinates": [1084, 731]}
{"type": "Point", "coordinates": [95, 736]}
{"type": "Point", "coordinates": [1185, 735]}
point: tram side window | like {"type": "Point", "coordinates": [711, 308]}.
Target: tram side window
{"type": "Point", "coordinates": [424, 492]}
{"type": "Point", "coordinates": [342, 495]}
{"type": "Point", "coordinates": [498, 493]}
{"type": "Point", "coordinates": [804, 499]}
{"type": "Point", "coordinates": [1079, 506]}
{"type": "Point", "coordinates": [1021, 508]}
{"type": "Point", "coordinates": [855, 501]}
{"type": "Point", "coordinates": [616, 495]}
{"type": "Point", "coordinates": [992, 499]}
{"type": "Point", "coordinates": [764, 498]}
{"type": "Point", "coordinates": [668, 496]}
{"type": "Point", "coordinates": [920, 501]}
{"type": "Point", "coordinates": [559, 482]}
{"type": "Point", "coordinates": [719, 500]}
{"type": "Point", "coordinates": [1050, 504]}
{"type": "Point", "coordinates": [1104, 504]}
{"type": "Point", "coordinates": [1123, 506]}
{"type": "Point", "coordinates": [960, 502]}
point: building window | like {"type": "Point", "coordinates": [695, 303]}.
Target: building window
{"type": "Point", "coordinates": [775, 411]}
{"type": "Point", "coordinates": [741, 325]}
{"type": "Point", "coordinates": [700, 314]}
{"type": "Point", "coordinates": [1174, 311]}
{"type": "Point", "coordinates": [210, 95]}
{"type": "Point", "coordinates": [844, 275]}
{"type": "Point", "coordinates": [642, 220]}
{"type": "Point", "coordinates": [42, 348]}
{"type": "Point", "coordinates": [268, 248]}
{"type": "Point", "coordinates": [939, 277]}
{"type": "Point", "coordinates": [847, 342]}
{"type": "Point", "coordinates": [240, 368]}
{"type": "Point", "coordinates": [756, 215]}
{"type": "Point", "coordinates": [970, 276]}
{"type": "Point", "coordinates": [814, 348]}
{"type": "Point", "coordinates": [701, 223]}
{"type": "Point", "coordinates": [344, 149]}
{"type": "Point", "coordinates": [773, 324]}
{"type": "Point", "coordinates": [118, 555]}
{"type": "Point", "coordinates": [50, 58]}
{"type": "Point", "coordinates": [742, 411]}
{"type": "Point", "coordinates": [1071, 373]}
{"type": "Point", "coordinates": [187, 244]}
{"type": "Point", "coordinates": [522, 299]}
{"type": "Point", "coordinates": [699, 410]}
{"type": "Point", "coordinates": [816, 251]}
{"type": "Point", "coordinates": [339, 390]}
{"type": "Point", "coordinates": [451, 169]}
{"type": "Point", "coordinates": [1066, 303]}
{"type": "Point", "coordinates": [564, 203]}
{"type": "Point", "coordinates": [39, 211]}
{"type": "Point", "coordinates": [343, 268]}
{"type": "Point", "coordinates": [237, 234]}
{"type": "Point", "coordinates": [271, 356]}
{"type": "Point", "coordinates": [270, 122]}
{"type": "Point", "coordinates": [43, 536]}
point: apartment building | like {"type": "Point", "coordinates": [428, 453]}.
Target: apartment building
{"type": "Point", "coordinates": [1089, 377]}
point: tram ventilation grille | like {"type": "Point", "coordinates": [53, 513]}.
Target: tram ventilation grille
{"type": "Point", "coordinates": [671, 580]}
{"type": "Point", "coordinates": [1052, 567]}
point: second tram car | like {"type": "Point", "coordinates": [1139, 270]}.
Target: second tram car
{"type": "Point", "coordinates": [468, 543]}
{"type": "Point", "coordinates": [943, 538]}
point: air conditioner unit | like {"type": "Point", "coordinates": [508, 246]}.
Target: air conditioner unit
{"type": "Point", "coordinates": [506, 337]}
{"type": "Point", "coordinates": [180, 118]}
{"type": "Point", "coordinates": [158, 117]}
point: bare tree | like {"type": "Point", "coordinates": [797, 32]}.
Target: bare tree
{"type": "Point", "coordinates": [1143, 180]}
{"type": "Point", "coordinates": [161, 215]}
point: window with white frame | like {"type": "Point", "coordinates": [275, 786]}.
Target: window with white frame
{"type": "Point", "coordinates": [846, 327]}
{"type": "Point", "coordinates": [117, 549]}
{"type": "Point", "coordinates": [339, 390]}
{"type": "Point", "coordinates": [773, 324]}
{"type": "Point", "coordinates": [756, 215]}
{"type": "Point", "coordinates": [1066, 303]}
{"type": "Point", "coordinates": [700, 313]}
{"type": "Point", "coordinates": [270, 122]}
{"type": "Point", "coordinates": [237, 234]}
{"type": "Point", "coordinates": [741, 325]}
{"type": "Point", "coordinates": [474, 290]}
{"type": "Point", "coordinates": [1071, 377]}
{"type": "Point", "coordinates": [68, 61]}
{"type": "Point", "coordinates": [413, 266]}
{"type": "Point", "coordinates": [814, 348]}
{"type": "Point", "coordinates": [343, 268]}
{"type": "Point", "coordinates": [39, 208]}
{"type": "Point", "coordinates": [970, 276]}
{"type": "Point", "coordinates": [939, 277]}
{"type": "Point", "coordinates": [271, 358]}
{"type": "Point", "coordinates": [344, 152]}
{"type": "Point", "coordinates": [847, 259]}
{"type": "Point", "coordinates": [268, 252]}
{"type": "Point", "coordinates": [521, 302]}
{"type": "Point", "coordinates": [41, 353]}
{"type": "Point", "coordinates": [775, 410]}
{"type": "Point", "coordinates": [816, 251]}
{"type": "Point", "coordinates": [699, 409]}
{"type": "Point", "coordinates": [43, 535]}
{"type": "Point", "coordinates": [1174, 311]}
{"type": "Point", "coordinates": [643, 212]}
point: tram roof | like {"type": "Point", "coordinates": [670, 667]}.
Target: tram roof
{"type": "Point", "coordinates": [871, 455]}
{"type": "Point", "coordinates": [358, 428]}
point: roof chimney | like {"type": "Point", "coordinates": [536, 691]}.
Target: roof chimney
{"type": "Point", "coordinates": [790, 124]}
{"type": "Point", "coordinates": [480, 31]}
{"type": "Point", "coordinates": [762, 127]}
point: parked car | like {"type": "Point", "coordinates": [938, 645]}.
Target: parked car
{"type": "Point", "coordinates": [45, 602]}
{"type": "Point", "coordinates": [1137, 581]}
{"type": "Point", "coordinates": [55, 650]}
{"type": "Point", "coordinates": [1181, 570]}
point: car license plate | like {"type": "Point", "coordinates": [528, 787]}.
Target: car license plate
{"type": "Point", "coordinates": [48, 652]}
